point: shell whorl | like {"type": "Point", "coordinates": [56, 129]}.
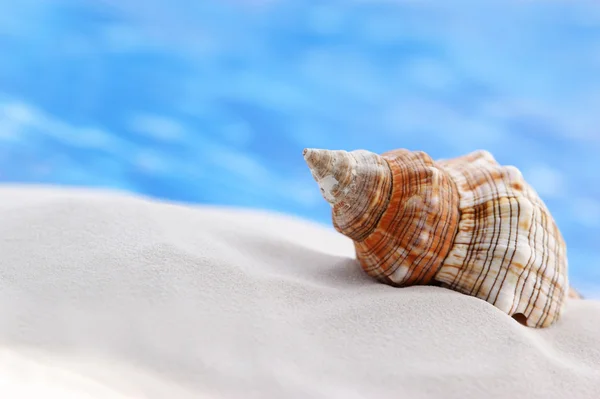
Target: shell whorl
{"type": "Point", "coordinates": [508, 249]}
{"type": "Point", "coordinates": [467, 224]}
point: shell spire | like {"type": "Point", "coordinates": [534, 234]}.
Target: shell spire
{"type": "Point", "coordinates": [468, 224]}
{"type": "Point", "coordinates": [333, 170]}
{"type": "Point", "coordinates": [343, 178]}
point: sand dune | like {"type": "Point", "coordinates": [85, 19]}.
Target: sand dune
{"type": "Point", "coordinates": [105, 295]}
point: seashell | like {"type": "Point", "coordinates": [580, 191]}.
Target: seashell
{"type": "Point", "coordinates": [468, 224]}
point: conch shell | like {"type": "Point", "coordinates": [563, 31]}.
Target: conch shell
{"type": "Point", "coordinates": [468, 224]}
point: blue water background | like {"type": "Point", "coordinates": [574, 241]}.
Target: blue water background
{"type": "Point", "coordinates": [212, 102]}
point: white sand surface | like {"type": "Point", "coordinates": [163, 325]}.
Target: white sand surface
{"type": "Point", "coordinates": [104, 295]}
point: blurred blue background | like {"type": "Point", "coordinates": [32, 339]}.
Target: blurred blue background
{"type": "Point", "coordinates": [213, 101]}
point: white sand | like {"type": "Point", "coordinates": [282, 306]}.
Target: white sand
{"type": "Point", "coordinates": [118, 297]}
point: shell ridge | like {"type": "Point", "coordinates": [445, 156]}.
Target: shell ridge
{"type": "Point", "coordinates": [509, 264]}
{"type": "Point", "coordinates": [354, 211]}
{"type": "Point", "coordinates": [398, 216]}
{"type": "Point", "coordinates": [458, 276]}
{"type": "Point", "coordinates": [403, 210]}
{"type": "Point", "coordinates": [396, 265]}
{"type": "Point", "coordinates": [440, 241]}
{"type": "Point", "coordinates": [550, 301]}
{"type": "Point", "coordinates": [382, 202]}
{"type": "Point", "coordinates": [527, 266]}
{"type": "Point", "coordinates": [563, 272]}
{"type": "Point", "coordinates": [538, 274]}
{"type": "Point", "coordinates": [503, 266]}
{"type": "Point", "coordinates": [488, 263]}
{"type": "Point", "coordinates": [416, 231]}
{"type": "Point", "coordinates": [370, 252]}
{"type": "Point", "coordinates": [418, 273]}
{"type": "Point", "coordinates": [519, 197]}
{"type": "Point", "coordinates": [453, 188]}
{"type": "Point", "coordinates": [360, 213]}
{"type": "Point", "coordinates": [384, 207]}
